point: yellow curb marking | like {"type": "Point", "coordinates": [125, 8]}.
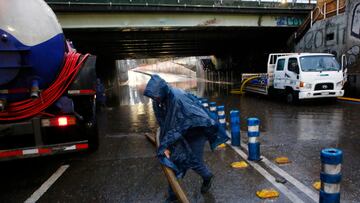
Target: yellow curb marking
{"type": "Point", "coordinates": [282, 160]}
{"type": "Point", "coordinates": [349, 99]}
{"type": "Point", "coordinates": [239, 164]}
{"type": "Point", "coordinates": [221, 146]}
{"type": "Point", "coordinates": [267, 193]}
{"type": "Point", "coordinates": [317, 185]}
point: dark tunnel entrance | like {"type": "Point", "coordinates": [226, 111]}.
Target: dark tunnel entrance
{"type": "Point", "coordinates": [244, 49]}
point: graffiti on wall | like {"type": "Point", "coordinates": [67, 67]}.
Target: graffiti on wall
{"type": "Point", "coordinates": [353, 54]}
{"type": "Point", "coordinates": [355, 22]}
{"type": "Point", "coordinates": [325, 37]}
{"type": "Point", "coordinates": [288, 21]}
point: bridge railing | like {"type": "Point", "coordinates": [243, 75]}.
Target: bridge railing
{"type": "Point", "coordinates": [197, 3]}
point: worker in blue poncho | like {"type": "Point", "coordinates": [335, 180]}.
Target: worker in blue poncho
{"type": "Point", "coordinates": [185, 126]}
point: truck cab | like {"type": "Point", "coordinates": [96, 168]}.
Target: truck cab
{"type": "Point", "coordinates": [308, 76]}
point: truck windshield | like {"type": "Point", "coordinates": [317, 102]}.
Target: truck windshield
{"type": "Point", "coordinates": [319, 63]}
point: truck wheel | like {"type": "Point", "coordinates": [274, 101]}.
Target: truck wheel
{"type": "Point", "coordinates": [85, 107]}
{"type": "Point", "coordinates": [291, 97]}
{"type": "Point", "coordinates": [92, 133]}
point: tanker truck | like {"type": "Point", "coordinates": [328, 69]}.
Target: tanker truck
{"type": "Point", "coordinates": [47, 89]}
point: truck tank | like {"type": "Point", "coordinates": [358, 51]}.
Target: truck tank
{"type": "Point", "coordinates": [47, 89]}
{"type": "Point", "coordinates": [32, 48]}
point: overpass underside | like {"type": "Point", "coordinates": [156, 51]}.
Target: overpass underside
{"type": "Point", "coordinates": [246, 34]}
{"type": "Point", "coordinates": [139, 35]}
{"type": "Point", "coordinates": [243, 42]}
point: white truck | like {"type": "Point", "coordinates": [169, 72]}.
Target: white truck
{"type": "Point", "coordinates": [298, 76]}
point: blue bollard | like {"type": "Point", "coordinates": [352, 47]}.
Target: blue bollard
{"type": "Point", "coordinates": [235, 127]}
{"type": "Point", "coordinates": [205, 103]}
{"type": "Point", "coordinates": [253, 134]}
{"type": "Point", "coordinates": [330, 175]}
{"type": "Point", "coordinates": [221, 116]}
{"type": "Point", "coordinates": [213, 110]}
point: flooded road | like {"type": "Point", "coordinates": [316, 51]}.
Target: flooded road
{"type": "Point", "coordinates": [296, 131]}
{"type": "Point", "coordinates": [125, 169]}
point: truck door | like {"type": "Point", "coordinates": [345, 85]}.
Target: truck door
{"type": "Point", "coordinates": [292, 73]}
{"type": "Point", "coordinates": [279, 78]}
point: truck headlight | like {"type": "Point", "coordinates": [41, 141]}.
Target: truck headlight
{"type": "Point", "coordinates": [308, 86]}
{"type": "Point", "coordinates": [305, 85]}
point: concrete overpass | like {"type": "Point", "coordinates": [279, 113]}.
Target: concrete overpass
{"type": "Point", "coordinates": [239, 33]}
{"type": "Point", "coordinates": [158, 28]}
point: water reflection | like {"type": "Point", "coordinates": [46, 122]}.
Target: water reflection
{"type": "Point", "coordinates": [132, 92]}
{"type": "Point", "coordinates": [314, 121]}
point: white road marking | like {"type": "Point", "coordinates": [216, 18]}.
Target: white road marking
{"type": "Point", "coordinates": [303, 188]}
{"type": "Point", "coordinates": [46, 185]}
{"type": "Point", "coordinates": [289, 194]}
{"type": "Point", "coordinates": [310, 193]}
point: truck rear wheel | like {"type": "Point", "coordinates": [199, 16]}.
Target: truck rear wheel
{"type": "Point", "coordinates": [92, 133]}
{"type": "Point", "coordinates": [85, 106]}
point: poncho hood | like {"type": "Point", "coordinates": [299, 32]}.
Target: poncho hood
{"type": "Point", "coordinates": [157, 88]}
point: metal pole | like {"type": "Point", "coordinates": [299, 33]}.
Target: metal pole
{"type": "Point", "coordinates": [311, 18]}
{"type": "Point", "coordinates": [337, 7]}
{"type": "Point", "coordinates": [169, 173]}
{"type": "Point", "coordinates": [325, 10]}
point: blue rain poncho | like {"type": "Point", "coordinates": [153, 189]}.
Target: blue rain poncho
{"type": "Point", "coordinates": [176, 112]}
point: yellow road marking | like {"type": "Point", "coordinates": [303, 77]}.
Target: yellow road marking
{"type": "Point", "coordinates": [349, 99]}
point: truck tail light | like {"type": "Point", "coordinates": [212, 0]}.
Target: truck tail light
{"type": "Point", "coordinates": [63, 121]}
{"type": "Point", "coordinates": [302, 84]}
{"type": "Point", "coordinates": [59, 121]}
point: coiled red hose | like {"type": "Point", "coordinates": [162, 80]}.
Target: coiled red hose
{"type": "Point", "coordinates": [31, 107]}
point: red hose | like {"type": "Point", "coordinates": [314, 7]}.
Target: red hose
{"type": "Point", "coordinates": [29, 108]}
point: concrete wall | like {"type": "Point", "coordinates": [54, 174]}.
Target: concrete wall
{"type": "Point", "coordinates": [122, 67]}
{"type": "Point", "coordinates": [338, 35]}
{"type": "Point", "coordinates": [328, 36]}
{"type": "Point", "coordinates": [346, 36]}
{"type": "Point", "coordinates": [353, 37]}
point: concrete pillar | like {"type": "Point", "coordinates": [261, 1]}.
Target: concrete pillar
{"type": "Point", "coordinates": [106, 70]}
{"type": "Point", "coordinates": [122, 67]}
{"type": "Point", "coordinates": [200, 73]}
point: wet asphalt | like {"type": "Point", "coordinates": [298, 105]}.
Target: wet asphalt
{"type": "Point", "coordinates": [125, 169]}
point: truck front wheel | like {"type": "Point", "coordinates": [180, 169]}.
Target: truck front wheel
{"type": "Point", "coordinates": [292, 97]}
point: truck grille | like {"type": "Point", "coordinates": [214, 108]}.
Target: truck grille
{"type": "Point", "coordinates": [324, 86]}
